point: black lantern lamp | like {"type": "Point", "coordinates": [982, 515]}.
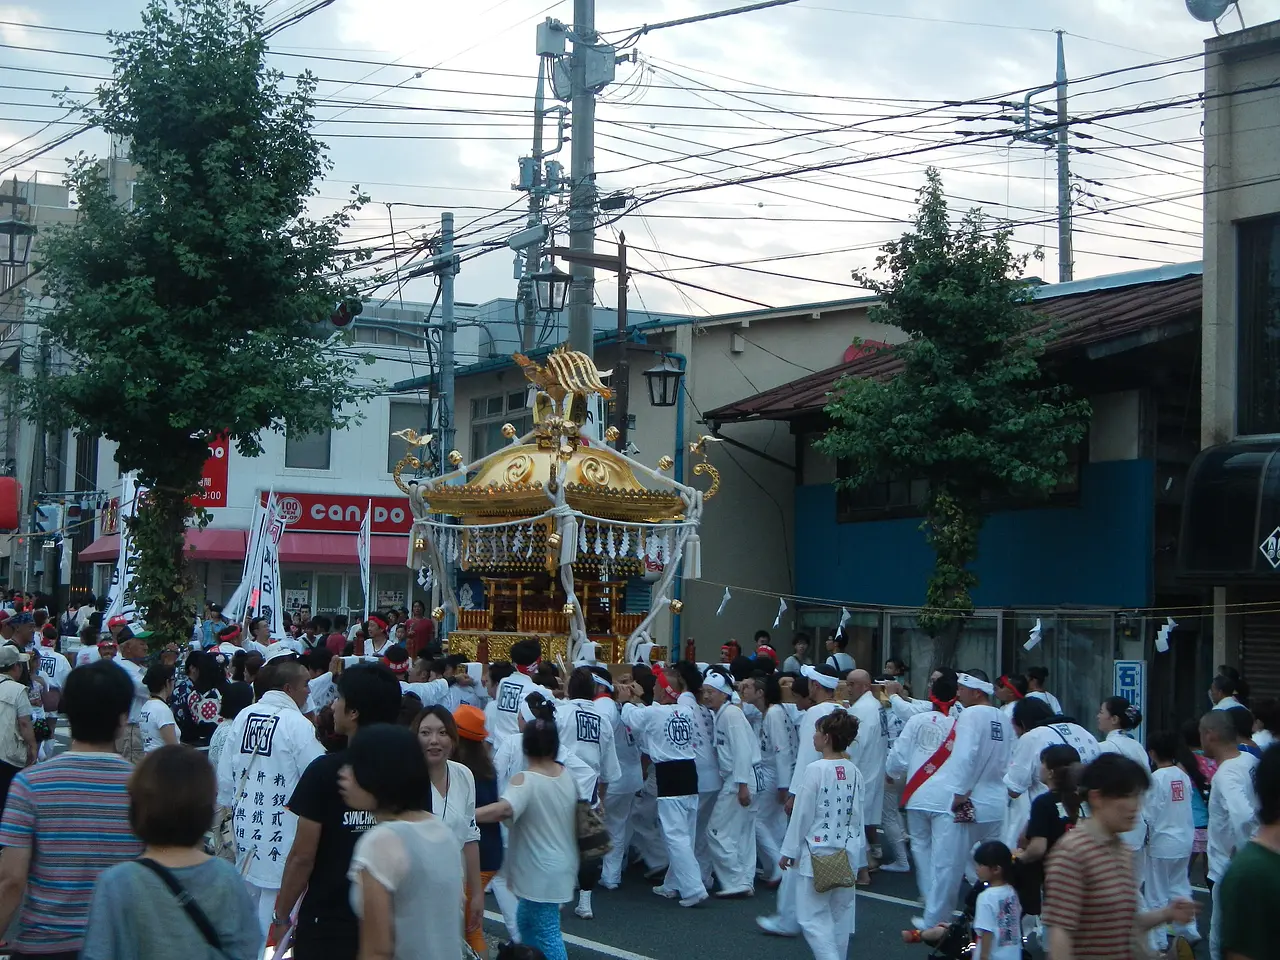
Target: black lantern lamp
{"type": "Point", "coordinates": [664, 382]}
{"type": "Point", "coordinates": [551, 285]}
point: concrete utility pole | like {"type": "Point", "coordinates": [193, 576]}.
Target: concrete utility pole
{"type": "Point", "coordinates": [533, 255]}
{"type": "Point", "coordinates": [582, 179]}
{"type": "Point", "coordinates": [444, 403]}
{"type": "Point", "coordinates": [622, 374]}
{"type": "Point", "coordinates": [1065, 255]}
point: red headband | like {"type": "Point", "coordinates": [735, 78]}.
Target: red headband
{"type": "Point", "coordinates": [374, 618]}
{"type": "Point", "coordinates": [1005, 682]}
{"type": "Point", "coordinates": [230, 634]}
{"type": "Point", "coordinates": [396, 667]}
{"type": "Point", "coordinates": [529, 670]}
{"type": "Point", "coordinates": [943, 706]}
{"type": "Point", "coordinates": [660, 676]}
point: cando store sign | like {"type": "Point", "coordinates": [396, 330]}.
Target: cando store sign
{"type": "Point", "coordinates": [342, 513]}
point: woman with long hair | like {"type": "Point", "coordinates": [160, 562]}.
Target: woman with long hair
{"type": "Point", "coordinates": [1053, 813]}
{"type": "Point", "coordinates": [541, 803]}
{"type": "Point", "coordinates": [453, 797]}
{"type": "Point", "coordinates": [411, 862]}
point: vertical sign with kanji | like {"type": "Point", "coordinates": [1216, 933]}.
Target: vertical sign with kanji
{"type": "Point", "coordinates": [213, 478]}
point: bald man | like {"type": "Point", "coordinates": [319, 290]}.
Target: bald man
{"type": "Point", "coordinates": [870, 750]}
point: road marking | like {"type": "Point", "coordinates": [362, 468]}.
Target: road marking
{"type": "Point", "coordinates": [595, 945]}
{"type": "Point", "coordinates": [888, 899]}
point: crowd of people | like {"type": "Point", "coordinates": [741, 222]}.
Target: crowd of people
{"type": "Point", "coordinates": [249, 791]}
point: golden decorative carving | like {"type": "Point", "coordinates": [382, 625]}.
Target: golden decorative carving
{"type": "Point", "coordinates": [707, 468]}
{"type": "Point", "coordinates": [419, 543]}
{"type": "Point", "coordinates": [665, 462]}
{"type": "Point", "coordinates": [568, 609]}
{"type": "Point", "coordinates": [437, 613]}
{"type": "Point", "coordinates": [594, 470]}
{"type": "Point", "coordinates": [519, 469]}
{"type": "Point", "coordinates": [508, 430]}
{"type": "Point", "coordinates": [677, 606]}
{"type": "Point", "coordinates": [455, 458]}
{"type": "Point", "coordinates": [553, 541]}
{"type": "Point", "coordinates": [611, 434]}
{"type": "Point", "coordinates": [414, 441]}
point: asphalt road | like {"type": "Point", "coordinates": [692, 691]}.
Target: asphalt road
{"type": "Point", "coordinates": [631, 923]}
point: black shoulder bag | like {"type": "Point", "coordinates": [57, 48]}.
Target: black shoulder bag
{"type": "Point", "coordinates": [193, 911]}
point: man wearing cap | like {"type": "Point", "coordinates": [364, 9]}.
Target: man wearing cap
{"type": "Point", "coordinates": [731, 832]}
{"type": "Point", "coordinates": [975, 777]}
{"type": "Point", "coordinates": [823, 681]}
{"type": "Point", "coordinates": [24, 631]}
{"type": "Point", "coordinates": [18, 746]}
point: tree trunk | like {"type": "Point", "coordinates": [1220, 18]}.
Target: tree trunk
{"type": "Point", "coordinates": [161, 579]}
{"type": "Point", "coordinates": [951, 526]}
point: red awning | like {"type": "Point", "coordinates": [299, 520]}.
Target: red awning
{"type": "Point", "coordinates": [208, 544]}
{"type": "Point", "coordinates": [340, 548]}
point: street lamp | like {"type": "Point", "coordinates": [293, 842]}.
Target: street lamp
{"type": "Point", "coordinates": [551, 285]}
{"type": "Point", "coordinates": [664, 382]}
{"type": "Point", "coordinates": [15, 238]}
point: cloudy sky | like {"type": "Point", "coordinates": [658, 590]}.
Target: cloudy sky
{"type": "Point", "coordinates": [428, 107]}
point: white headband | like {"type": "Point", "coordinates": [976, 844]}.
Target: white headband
{"type": "Point", "coordinates": [717, 681]}
{"type": "Point", "coordinates": [526, 712]}
{"type": "Point", "coordinates": [819, 678]}
{"type": "Point", "coordinates": [973, 683]}
{"type": "Point", "coordinates": [601, 681]}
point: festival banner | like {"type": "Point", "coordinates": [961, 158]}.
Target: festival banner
{"type": "Point", "coordinates": [237, 606]}
{"type": "Point", "coordinates": [122, 602]}
{"type": "Point", "coordinates": [265, 599]}
{"type": "Point", "coordinates": [362, 549]}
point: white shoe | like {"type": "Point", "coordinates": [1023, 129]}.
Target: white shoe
{"type": "Point", "coordinates": [898, 866]}
{"type": "Point", "coordinates": [692, 901]}
{"type": "Point", "coordinates": [773, 926]}
{"type": "Point", "coordinates": [918, 923]}
{"type": "Point", "coordinates": [739, 892]}
{"type": "Point", "coordinates": [583, 909]}
{"type": "Point", "coordinates": [666, 892]}
{"type": "Point", "coordinates": [607, 886]}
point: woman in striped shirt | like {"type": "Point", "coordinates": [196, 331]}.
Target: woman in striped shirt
{"type": "Point", "coordinates": [1090, 888]}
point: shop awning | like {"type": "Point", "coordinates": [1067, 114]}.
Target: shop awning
{"type": "Point", "coordinates": [340, 548]}
{"type": "Point", "coordinates": [208, 544]}
{"type": "Point", "coordinates": [1231, 513]}
{"type": "Point", "coordinates": [309, 548]}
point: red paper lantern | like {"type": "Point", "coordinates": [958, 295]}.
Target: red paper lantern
{"type": "Point", "coordinates": [10, 499]}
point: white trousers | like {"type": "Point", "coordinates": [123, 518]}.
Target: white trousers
{"type": "Point", "coordinates": [508, 903]}
{"type": "Point", "coordinates": [1166, 881]}
{"type": "Point", "coordinates": [893, 840]}
{"type": "Point", "coordinates": [925, 848]}
{"type": "Point", "coordinates": [951, 860]}
{"type": "Point", "coordinates": [702, 849]}
{"type": "Point", "coordinates": [679, 819]}
{"type": "Point", "coordinates": [731, 838]}
{"type": "Point", "coordinates": [1015, 820]}
{"type": "Point", "coordinates": [264, 902]}
{"type": "Point", "coordinates": [620, 823]}
{"type": "Point", "coordinates": [646, 832]}
{"type": "Point", "coordinates": [1215, 924]}
{"type": "Point", "coordinates": [771, 827]}
{"type": "Point", "coordinates": [826, 919]}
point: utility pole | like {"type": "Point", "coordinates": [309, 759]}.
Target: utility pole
{"type": "Point", "coordinates": [582, 178]}
{"type": "Point", "coordinates": [622, 377]}
{"type": "Point", "coordinates": [1065, 256]}
{"type": "Point", "coordinates": [533, 255]}
{"type": "Point", "coordinates": [444, 403]}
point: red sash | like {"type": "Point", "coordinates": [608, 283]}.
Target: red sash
{"type": "Point", "coordinates": [929, 767]}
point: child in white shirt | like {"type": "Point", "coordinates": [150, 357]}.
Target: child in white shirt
{"type": "Point", "coordinates": [997, 918]}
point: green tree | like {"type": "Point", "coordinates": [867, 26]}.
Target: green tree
{"type": "Point", "coordinates": [971, 411]}
{"type": "Point", "coordinates": [192, 308]}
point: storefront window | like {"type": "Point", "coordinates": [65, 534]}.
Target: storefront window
{"type": "Point", "coordinates": [977, 647]}
{"type": "Point", "coordinates": [1076, 650]}
{"type": "Point", "coordinates": [390, 590]}
{"type": "Point", "coordinates": [820, 623]}
{"type": "Point", "coordinates": [1258, 404]}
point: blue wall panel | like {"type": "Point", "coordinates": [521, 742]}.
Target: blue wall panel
{"type": "Point", "coordinates": [1098, 553]}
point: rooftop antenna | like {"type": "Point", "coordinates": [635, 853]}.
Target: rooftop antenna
{"type": "Point", "coordinates": [1211, 11]}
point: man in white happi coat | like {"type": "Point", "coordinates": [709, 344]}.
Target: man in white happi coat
{"type": "Point", "coordinates": [975, 776]}
{"type": "Point", "coordinates": [821, 683]}
{"type": "Point", "coordinates": [868, 751]}
{"type": "Point", "coordinates": [731, 832]}
{"type": "Point", "coordinates": [922, 749]}
{"type": "Point", "coordinates": [270, 745]}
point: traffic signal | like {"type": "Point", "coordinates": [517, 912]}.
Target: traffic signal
{"type": "Point", "coordinates": [345, 312]}
{"type": "Point", "coordinates": [48, 517]}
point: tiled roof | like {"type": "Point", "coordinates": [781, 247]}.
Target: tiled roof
{"type": "Point", "coordinates": [1098, 314]}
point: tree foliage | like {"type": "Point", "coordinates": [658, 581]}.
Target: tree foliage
{"type": "Point", "coordinates": [971, 410]}
{"type": "Point", "coordinates": [192, 308]}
